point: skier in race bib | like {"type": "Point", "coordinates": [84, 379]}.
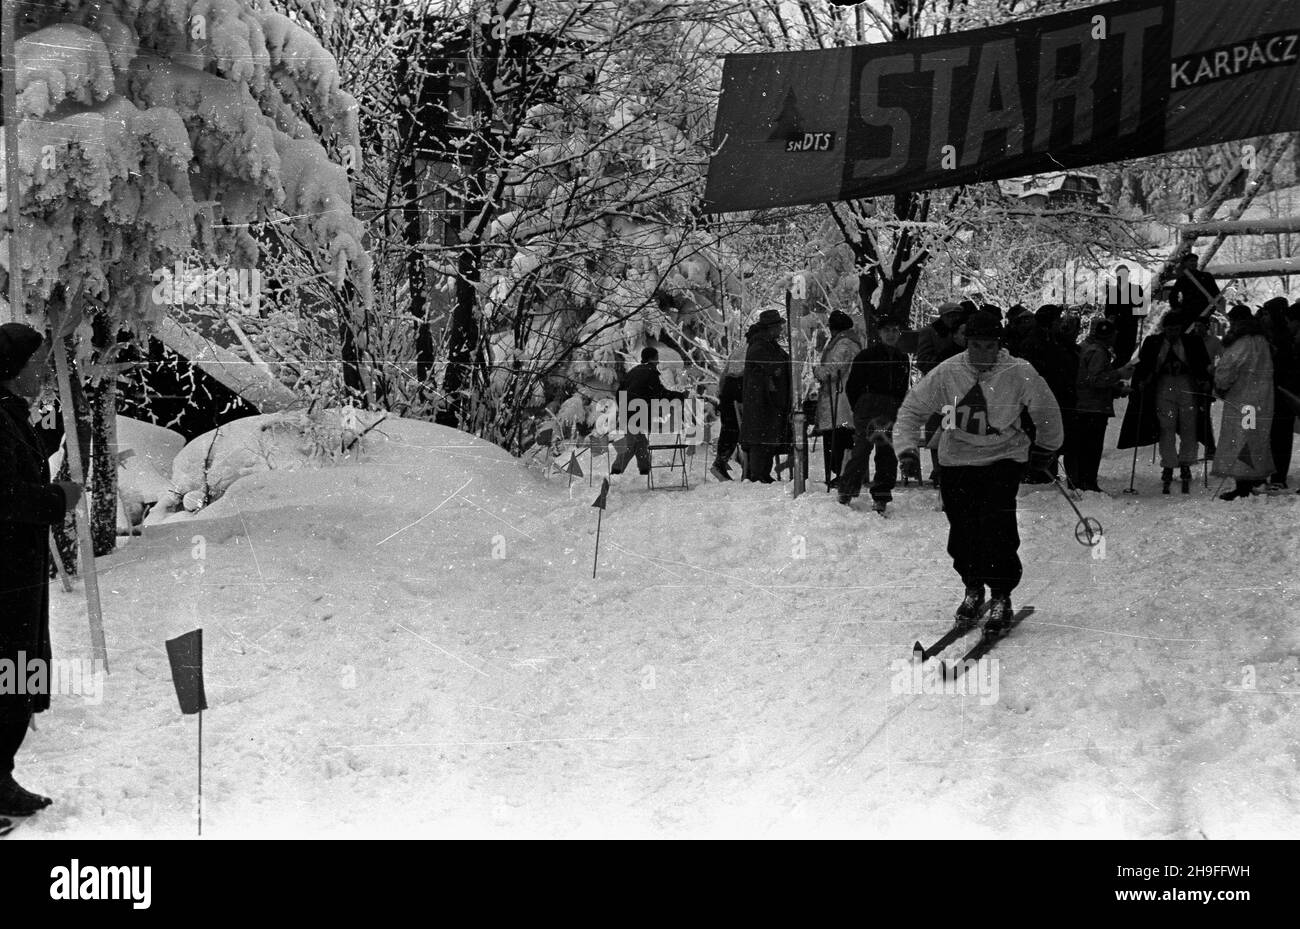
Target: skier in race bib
{"type": "Point", "coordinates": [977, 398]}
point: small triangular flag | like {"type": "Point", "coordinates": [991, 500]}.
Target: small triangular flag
{"type": "Point", "coordinates": [598, 444]}
{"type": "Point", "coordinates": [545, 436]}
{"type": "Point", "coordinates": [604, 493]}
{"type": "Point", "coordinates": [1246, 457]}
{"type": "Point", "coordinates": [186, 656]}
{"type": "Point", "coordinates": [573, 467]}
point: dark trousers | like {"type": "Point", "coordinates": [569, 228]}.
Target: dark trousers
{"type": "Point", "coordinates": [15, 716]}
{"type": "Point", "coordinates": [758, 462]}
{"type": "Point", "coordinates": [983, 539]}
{"type": "Point", "coordinates": [1281, 438]}
{"type": "Point", "coordinates": [871, 433]}
{"type": "Point", "coordinates": [838, 441]}
{"type": "Point", "coordinates": [731, 393]}
{"type": "Point", "coordinates": [1087, 449]}
{"type": "Point", "coordinates": [632, 444]}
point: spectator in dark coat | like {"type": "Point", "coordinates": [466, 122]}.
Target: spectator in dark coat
{"type": "Point", "coordinates": [934, 342]}
{"type": "Point", "coordinates": [29, 506]}
{"type": "Point", "coordinates": [1020, 323]}
{"type": "Point", "coordinates": [640, 387]}
{"type": "Point", "coordinates": [1286, 377]}
{"type": "Point", "coordinates": [1098, 384]}
{"type": "Point", "coordinates": [765, 415]}
{"type": "Point", "coordinates": [1125, 304]}
{"type": "Point", "coordinates": [1172, 373]}
{"type": "Point", "coordinates": [1041, 347]}
{"type": "Point", "coordinates": [876, 387]}
{"type": "Point", "coordinates": [1195, 295]}
{"type": "Point", "coordinates": [731, 393]}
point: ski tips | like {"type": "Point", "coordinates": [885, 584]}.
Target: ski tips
{"type": "Point", "coordinates": [918, 651]}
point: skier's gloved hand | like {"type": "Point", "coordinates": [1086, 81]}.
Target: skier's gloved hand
{"type": "Point", "coordinates": [1041, 460]}
{"type": "Point", "coordinates": [909, 464]}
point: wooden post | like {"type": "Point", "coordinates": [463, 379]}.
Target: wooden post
{"type": "Point", "coordinates": [87, 546]}
{"type": "Point", "coordinates": [796, 414]}
{"type": "Point", "coordinates": [17, 308]}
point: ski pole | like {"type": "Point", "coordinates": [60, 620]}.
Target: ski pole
{"type": "Point", "coordinates": [1087, 531]}
{"type": "Point", "coordinates": [1132, 476]}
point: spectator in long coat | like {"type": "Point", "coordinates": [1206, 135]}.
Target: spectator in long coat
{"type": "Point", "coordinates": [834, 409]}
{"type": "Point", "coordinates": [876, 385]}
{"type": "Point", "coordinates": [765, 414]}
{"type": "Point", "coordinates": [1286, 377]}
{"type": "Point", "coordinates": [1172, 370]}
{"type": "Point", "coordinates": [1243, 379]}
{"type": "Point", "coordinates": [1195, 294]}
{"type": "Point", "coordinates": [731, 393]}
{"type": "Point", "coordinates": [29, 506]}
{"type": "Point", "coordinates": [1098, 384]}
{"type": "Point", "coordinates": [1040, 345]}
{"type": "Point", "coordinates": [934, 343]}
{"type": "Point", "coordinates": [1125, 303]}
{"type": "Point", "coordinates": [1205, 401]}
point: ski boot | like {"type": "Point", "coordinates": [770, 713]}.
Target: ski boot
{"type": "Point", "coordinates": [1166, 478]}
{"type": "Point", "coordinates": [999, 616]}
{"type": "Point", "coordinates": [969, 611]}
{"type": "Point", "coordinates": [879, 506]}
{"type": "Point", "coordinates": [1185, 476]}
{"type": "Point", "coordinates": [720, 471]}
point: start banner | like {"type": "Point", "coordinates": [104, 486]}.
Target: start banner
{"type": "Point", "coordinates": [1102, 83]}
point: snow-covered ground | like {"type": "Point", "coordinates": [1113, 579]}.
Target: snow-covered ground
{"type": "Point", "coordinates": [373, 669]}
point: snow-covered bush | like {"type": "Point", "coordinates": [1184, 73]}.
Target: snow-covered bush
{"type": "Point", "coordinates": [291, 441]}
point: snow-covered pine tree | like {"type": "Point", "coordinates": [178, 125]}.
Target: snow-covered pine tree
{"type": "Point", "coordinates": [150, 127]}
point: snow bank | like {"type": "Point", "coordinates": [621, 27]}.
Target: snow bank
{"type": "Point", "coordinates": [296, 441]}
{"type": "Point", "coordinates": [144, 476]}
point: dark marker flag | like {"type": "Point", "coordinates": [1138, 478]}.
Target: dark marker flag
{"type": "Point", "coordinates": [186, 655]}
{"type": "Point", "coordinates": [1096, 84]}
{"type": "Point", "coordinates": [600, 507]}
{"type": "Point", "coordinates": [573, 468]}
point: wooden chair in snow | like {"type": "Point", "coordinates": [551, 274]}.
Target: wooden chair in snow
{"type": "Point", "coordinates": [677, 447]}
